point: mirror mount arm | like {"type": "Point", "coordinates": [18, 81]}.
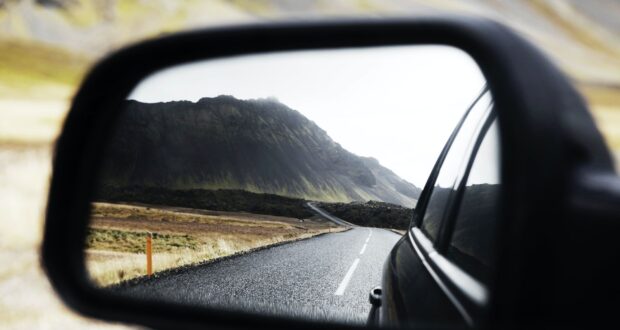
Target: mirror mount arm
{"type": "Point", "coordinates": [596, 193]}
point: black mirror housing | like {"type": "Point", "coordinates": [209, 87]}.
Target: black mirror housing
{"type": "Point", "coordinates": [560, 199]}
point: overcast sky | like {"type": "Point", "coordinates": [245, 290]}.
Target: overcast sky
{"type": "Point", "coordinates": [397, 104]}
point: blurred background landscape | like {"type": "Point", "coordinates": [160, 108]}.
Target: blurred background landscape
{"type": "Point", "coordinates": [46, 47]}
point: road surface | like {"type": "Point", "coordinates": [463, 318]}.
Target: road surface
{"type": "Point", "coordinates": [326, 277]}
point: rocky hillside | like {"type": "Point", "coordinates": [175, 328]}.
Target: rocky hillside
{"type": "Point", "coordinates": [256, 145]}
{"type": "Point", "coordinates": [371, 214]}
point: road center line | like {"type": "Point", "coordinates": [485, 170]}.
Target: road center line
{"type": "Point", "coordinates": [363, 248]}
{"type": "Point", "coordinates": [347, 278]}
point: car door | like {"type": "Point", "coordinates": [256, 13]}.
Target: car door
{"type": "Point", "coordinates": [428, 278]}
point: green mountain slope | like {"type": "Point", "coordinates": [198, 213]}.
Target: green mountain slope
{"type": "Point", "coordinates": [256, 145]}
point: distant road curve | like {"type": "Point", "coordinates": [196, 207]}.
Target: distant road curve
{"type": "Point", "coordinates": [328, 216]}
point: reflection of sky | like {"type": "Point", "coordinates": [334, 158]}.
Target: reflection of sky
{"type": "Point", "coordinates": [397, 104]}
{"type": "Point", "coordinates": [461, 147]}
{"type": "Point", "coordinates": [485, 168]}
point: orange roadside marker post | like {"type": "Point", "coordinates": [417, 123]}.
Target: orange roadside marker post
{"type": "Point", "coordinates": [149, 254]}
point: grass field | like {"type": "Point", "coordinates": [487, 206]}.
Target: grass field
{"type": "Point", "coordinates": [115, 245]}
{"type": "Point", "coordinates": [604, 104]}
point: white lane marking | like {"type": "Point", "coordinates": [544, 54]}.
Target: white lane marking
{"type": "Point", "coordinates": [347, 278]}
{"type": "Point", "coordinates": [363, 248]}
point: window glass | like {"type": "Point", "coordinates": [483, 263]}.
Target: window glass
{"type": "Point", "coordinates": [471, 245]}
{"type": "Point", "coordinates": [452, 165]}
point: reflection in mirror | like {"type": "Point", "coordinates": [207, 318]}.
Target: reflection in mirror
{"type": "Point", "coordinates": [452, 166]}
{"type": "Point", "coordinates": [471, 245]}
{"type": "Point", "coordinates": [274, 183]}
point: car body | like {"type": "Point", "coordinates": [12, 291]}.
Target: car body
{"type": "Point", "coordinates": [428, 278]}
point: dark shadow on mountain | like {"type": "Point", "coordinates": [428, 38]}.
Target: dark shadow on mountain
{"type": "Point", "coordinates": [215, 200]}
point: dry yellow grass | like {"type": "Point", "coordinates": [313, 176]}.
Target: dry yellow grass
{"type": "Point", "coordinates": [604, 102]}
{"type": "Point", "coordinates": [116, 242]}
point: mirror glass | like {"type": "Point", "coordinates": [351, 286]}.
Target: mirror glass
{"type": "Point", "coordinates": [273, 183]}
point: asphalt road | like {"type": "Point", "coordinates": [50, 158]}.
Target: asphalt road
{"type": "Point", "coordinates": [328, 216]}
{"type": "Point", "coordinates": [326, 277]}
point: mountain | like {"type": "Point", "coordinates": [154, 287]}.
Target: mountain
{"type": "Point", "coordinates": [260, 146]}
{"type": "Point", "coordinates": [46, 46]}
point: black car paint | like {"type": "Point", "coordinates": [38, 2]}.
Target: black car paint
{"type": "Point", "coordinates": [410, 294]}
{"type": "Point", "coordinates": [412, 291]}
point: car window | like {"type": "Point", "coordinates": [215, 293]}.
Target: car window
{"type": "Point", "coordinates": [452, 165]}
{"type": "Point", "coordinates": [472, 238]}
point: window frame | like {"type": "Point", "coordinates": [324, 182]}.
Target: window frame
{"type": "Point", "coordinates": [422, 204]}
{"type": "Point", "coordinates": [468, 295]}
{"type": "Point", "coordinates": [449, 221]}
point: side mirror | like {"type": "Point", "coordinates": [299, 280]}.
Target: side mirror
{"type": "Point", "coordinates": [199, 175]}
